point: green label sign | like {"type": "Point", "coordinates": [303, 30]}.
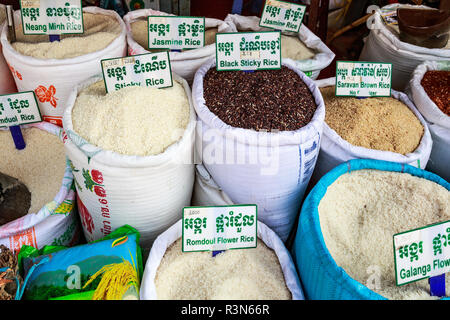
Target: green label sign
{"type": "Point", "coordinates": [144, 70]}
{"type": "Point", "coordinates": [248, 51]}
{"type": "Point", "coordinates": [422, 253]}
{"type": "Point", "coordinates": [219, 228]}
{"type": "Point", "coordinates": [363, 79]}
{"type": "Point", "coordinates": [282, 15]}
{"type": "Point", "coordinates": [175, 32]}
{"type": "Point", "coordinates": [19, 108]}
{"type": "Point", "coordinates": [51, 17]}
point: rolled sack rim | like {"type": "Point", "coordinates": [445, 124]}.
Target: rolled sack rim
{"type": "Point", "coordinates": [250, 136]}
{"type": "Point", "coordinates": [177, 151]}
{"type": "Point", "coordinates": [120, 40]}
{"type": "Point", "coordinates": [362, 152]}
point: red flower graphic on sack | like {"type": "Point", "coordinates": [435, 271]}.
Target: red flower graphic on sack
{"type": "Point", "coordinates": [46, 95]}
{"type": "Point", "coordinates": [86, 218]}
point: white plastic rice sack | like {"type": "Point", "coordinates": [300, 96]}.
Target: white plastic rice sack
{"type": "Point", "coordinates": [275, 167]}
{"type": "Point", "coordinates": [334, 149]}
{"type": "Point", "coordinates": [384, 45]}
{"type": "Point", "coordinates": [53, 79]}
{"type": "Point", "coordinates": [264, 233]}
{"type": "Point", "coordinates": [183, 63]}
{"type": "Point", "coordinates": [54, 224]}
{"type": "Point", "coordinates": [323, 56]}
{"type": "Point", "coordinates": [145, 192]}
{"type": "Point", "coordinates": [438, 122]}
{"type": "Point", "coordinates": [7, 84]}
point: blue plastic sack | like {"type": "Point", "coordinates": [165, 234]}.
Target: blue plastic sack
{"type": "Point", "coordinates": [321, 277]}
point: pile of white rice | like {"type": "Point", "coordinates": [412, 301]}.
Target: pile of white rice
{"type": "Point", "coordinates": [2, 14]}
{"type": "Point", "coordinates": [246, 274]}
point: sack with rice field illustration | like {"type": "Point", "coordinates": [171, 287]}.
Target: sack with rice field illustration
{"type": "Point", "coordinates": [107, 269]}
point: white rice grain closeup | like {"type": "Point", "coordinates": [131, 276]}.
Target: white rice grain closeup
{"type": "Point", "coordinates": [360, 213]}
{"type": "Point", "coordinates": [40, 166]}
{"type": "Point", "coordinates": [99, 31]}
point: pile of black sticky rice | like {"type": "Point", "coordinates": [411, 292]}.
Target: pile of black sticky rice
{"type": "Point", "coordinates": [265, 100]}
